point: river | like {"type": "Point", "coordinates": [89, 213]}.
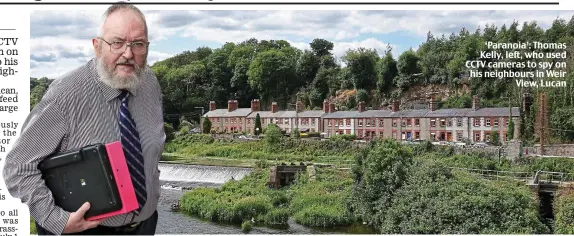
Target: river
{"type": "Point", "coordinates": [176, 179]}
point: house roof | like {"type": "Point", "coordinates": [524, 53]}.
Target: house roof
{"type": "Point", "coordinates": [240, 112]}
{"type": "Point", "coordinates": [342, 114]}
{"type": "Point", "coordinates": [269, 114]}
{"type": "Point", "coordinates": [494, 111]}
{"type": "Point", "coordinates": [312, 113]}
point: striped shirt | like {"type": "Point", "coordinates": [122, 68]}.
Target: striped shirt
{"type": "Point", "coordinates": [78, 110]}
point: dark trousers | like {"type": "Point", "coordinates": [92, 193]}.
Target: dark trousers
{"type": "Point", "coordinates": [146, 227]}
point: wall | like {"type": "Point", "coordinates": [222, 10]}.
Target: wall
{"type": "Point", "coordinates": [555, 150]}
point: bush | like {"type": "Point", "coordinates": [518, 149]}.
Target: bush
{"type": "Point", "coordinates": [246, 226]}
{"type": "Point", "coordinates": [564, 211]}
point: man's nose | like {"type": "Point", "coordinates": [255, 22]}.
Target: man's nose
{"type": "Point", "coordinates": [128, 54]}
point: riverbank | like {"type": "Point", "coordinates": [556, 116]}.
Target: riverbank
{"type": "Point", "coordinates": [374, 190]}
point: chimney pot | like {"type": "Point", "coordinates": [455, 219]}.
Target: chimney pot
{"type": "Point", "coordinates": [326, 106]}
{"type": "Point", "coordinates": [212, 105]}
{"type": "Point", "coordinates": [475, 103]}
{"type": "Point", "coordinates": [274, 107]}
{"type": "Point", "coordinates": [361, 106]}
{"type": "Point", "coordinates": [395, 106]}
{"type": "Point", "coordinates": [432, 104]}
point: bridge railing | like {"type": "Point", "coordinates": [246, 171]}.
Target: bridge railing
{"type": "Point", "coordinates": [548, 177]}
{"type": "Point", "coordinates": [499, 174]}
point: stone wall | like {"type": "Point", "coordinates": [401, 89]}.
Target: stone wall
{"type": "Point", "coordinates": [565, 150]}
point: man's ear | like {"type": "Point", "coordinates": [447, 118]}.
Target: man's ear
{"type": "Point", "coordinates": [96, 44]}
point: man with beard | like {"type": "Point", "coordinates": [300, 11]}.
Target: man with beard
{"type": "Point", "coordinates": [113, 97]}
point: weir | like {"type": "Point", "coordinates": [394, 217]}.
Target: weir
{"type": "Point", "coordinates": [200, 174]}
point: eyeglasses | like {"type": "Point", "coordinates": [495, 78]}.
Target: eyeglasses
{"type": "Point", "coordinates": [119, 47]}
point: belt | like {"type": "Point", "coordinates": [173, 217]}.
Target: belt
{"type": "Point", "coordinates": [127, 228]}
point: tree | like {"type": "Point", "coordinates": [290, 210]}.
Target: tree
{"type": "Point", "coordinates": [510, 132]}
{"type": "Point", "coordinates": [206, 125]}
{"type": "Point", "coordinates": [273, 136]}
{"type": "Point", "coordinates": [321, 47]}
{"type": "Point", "coordinates": [257, 129]}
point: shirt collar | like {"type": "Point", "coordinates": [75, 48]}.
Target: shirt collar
{"type": "Point", "coordinates": [108, 92]}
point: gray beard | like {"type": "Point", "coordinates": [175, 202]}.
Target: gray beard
{"type": "Point", "coordinates": [107, 76]}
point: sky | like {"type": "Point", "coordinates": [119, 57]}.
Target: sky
{"type": "Point", "coordinates": [61, 40]}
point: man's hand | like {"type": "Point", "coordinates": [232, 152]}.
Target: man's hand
{"type": "Point", "coordinates": [77, 223]}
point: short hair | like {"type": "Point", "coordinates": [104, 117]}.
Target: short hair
{"type": "Point", "coordinates": [117, 7]}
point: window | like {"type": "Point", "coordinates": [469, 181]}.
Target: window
{"type": "Point", "coordinates": [403, 123]}
{"type": "Point", "coordinates": [360, 133]}
{"type": "Point", "coordinates": [477, 136]}
{"type": "Point", "coordinates": [449, 122]}
{"type": "Point", "coordinates": [373, 122]}
{"type": "Point", "coordinates": [459, 122]}
{"type": "Point", "coordinates": [341, 123]}
{"type": "Point", "coordinates": [417, 135]}
{"type": "Point", "coordinates": [495, 122]}
{"type": "Point", "coordinates": [329, 123]}
{"type": "Point", "coordinates": [459, 136]}
{"type": "Point", "coordinates": [313, 121]}
{"type": "Point", "coordinates": [432, 123]}
{"type": "Point", "coordinates": [380, 133]}
{"type": "Point", "coordinates": [442, 122]}
{"type": "Point", "coordinates": [348, 122]}
{"type": "Point", "coordinates": [394, 135]}
{"type": "Point", "coordinates": [394, 123]}
{"type": "Point", "coordinates": [476, 122]}
{"type": "Point", "coordinates": [409, 122]}
{"type": "Point", "coordinates": [368, 123]}
{"type": "Point", "coordinates": [487, 120]}
{"type": "Point", "coordinates": [506, 122]}
{"type": "Point", "coordinates": [381, 122]}
{"type": "Point", "coordinates": [417, 122]}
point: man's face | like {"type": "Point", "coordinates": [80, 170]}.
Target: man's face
{"type": "Point", "coordinates": [121, 69]}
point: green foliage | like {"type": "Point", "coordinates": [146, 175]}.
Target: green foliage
{"type": "Point", "coordinates": [510, 132]}
{"type": "Point", "coordinates": [246, 226]}
{"type": "Point", "coordinates": [378, 173]}
{"type": "Point", "coordinates": [206, 125]}
{"type": "Point", "coordinates": [169, 132]}
{"type": "Point", "coordinates": [273, 136]}
{"type": "Point", "coordinates": [295, 133]}
{"type": "Point", "coordinates": [345, 137]}
{"type": "Point", "coordinates": [436, 201]}
{"type": "Point", "coordinates": [257, 128]}
{"type": "Point", "coordinates": [563, 208]}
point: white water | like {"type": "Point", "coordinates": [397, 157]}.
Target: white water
{"type": "Point", "coordinates": [200, 174]}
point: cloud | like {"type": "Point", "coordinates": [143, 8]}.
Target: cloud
{"type": "Point", "coordinates": [60, 40]}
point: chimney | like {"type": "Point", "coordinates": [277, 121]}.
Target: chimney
{"type": "Point", "coordinates": [432, 104]}
{"type": "Point", "coordinates": [274, 107]}
{"type": "Point", "coordinates": [255, 105]}
{"type": "Point", "coordinates": [299, 106]}
{"type": "Point", "coordinates": [212, 105]}
{"type": "Point", "coordinates": [326, 106]}
{"type": "Point", "coordinates": [475, 103]}
{"type": "Point", "coordinates": [331, 107]}
{"type": "Point", "coordinates": [395, 106]}
{"type": "Point", "coordinates": [361, 106]}
{"type": "Point", "coordinates": [231, 105]}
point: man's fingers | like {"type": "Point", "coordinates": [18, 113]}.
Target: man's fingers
{"type": "Point", "coordinates": [83, 209]}
{"type": "Point", "coordinates": [92, 223]}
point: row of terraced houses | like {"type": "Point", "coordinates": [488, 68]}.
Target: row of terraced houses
{"type": "Point", "coordinates": [475, 124]}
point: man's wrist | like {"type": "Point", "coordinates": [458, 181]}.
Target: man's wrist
{"type": "Point", "coordinates": [56, 221]}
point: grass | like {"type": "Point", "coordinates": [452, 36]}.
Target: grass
{"type": "Point", "coordinates": [196, 148]}
{"type": "Point", "coordinates": [313, 202]}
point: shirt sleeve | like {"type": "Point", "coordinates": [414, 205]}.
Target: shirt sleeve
{"type": "Point", "coordinates": [41, 134]}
